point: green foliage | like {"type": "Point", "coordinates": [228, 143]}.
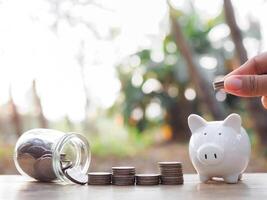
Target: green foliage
{"type": "Point", "coordinates": [172, 77]}
{"type": "Point", "coordinates": [122, 147]}
{"type": "Point", "coordinates": [170, 74]}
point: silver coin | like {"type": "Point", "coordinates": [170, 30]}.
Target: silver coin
{"type": "Point", "coordinates": [36, 151]}
{"type": "Point", "coordinates": [44, 169]}
{"type": "Point", "coordinates": [75, 175]}
{"type": "Point", "coordinates": [24, 147]}
{"type": "Point", "coordinates": [26, 162]}
{"type": "Point", "coordinates": [65, 164]}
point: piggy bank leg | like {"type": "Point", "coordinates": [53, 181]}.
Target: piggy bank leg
{"type": "Point", "coordinates": [203, 178]}
{"type": "Point", "coordinates": [232, 178]}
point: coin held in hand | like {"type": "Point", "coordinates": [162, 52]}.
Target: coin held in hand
{"type": "Point", "coordinates": [218, 85]}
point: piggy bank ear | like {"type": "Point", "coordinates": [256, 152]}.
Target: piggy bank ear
{"type": "Point", "coordinates": [233, 121]}
{"type": "Point", "coordinates": [195, 122]}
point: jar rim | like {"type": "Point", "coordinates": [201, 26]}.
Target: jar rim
{"type": "Point", "coordinates": [68, 137]}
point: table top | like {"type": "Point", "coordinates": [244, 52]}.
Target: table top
{"type": "Point", "coordinates": [252, 186]}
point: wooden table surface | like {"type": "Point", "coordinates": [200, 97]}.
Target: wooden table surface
{"type": "Point", "coordinates": [251, 187]}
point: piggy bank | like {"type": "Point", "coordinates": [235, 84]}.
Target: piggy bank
{"type": "Point", "coordinates": [219, 148]}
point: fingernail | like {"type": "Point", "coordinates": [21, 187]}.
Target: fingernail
{"type": "Point", "coordinates": [233, 83]}
{"type": "Point", "coordinates": [264, 101]}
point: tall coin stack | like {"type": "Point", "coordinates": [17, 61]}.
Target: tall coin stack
{"type": "Point", "coordinates": [123, 176]}
{"type": "Point", "coordinates": [171, 173]}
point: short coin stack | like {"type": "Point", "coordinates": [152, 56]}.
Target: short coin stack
{"type": "Point", "coordinates": [123, 176]}
{"type": "Point", "coordinates": [171, 173]}
{"type": "Point", "coordinates": [147, 179]}
{"type": "Point", "coordinates": [99, 178]}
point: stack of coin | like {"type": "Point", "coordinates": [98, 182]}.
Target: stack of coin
{"type": "Point", "coordinates": [171, 173]}
{"type": "Point", "coordinates": [99, 178]}
{"type": "Point", "coordinates": [147, 179]}
{"type": "Point", "coordinates": [123, 175]}
{"type": "Point", "coordinates": [35, 159]}
{"type": "Point", "coordinates": [218, 85]}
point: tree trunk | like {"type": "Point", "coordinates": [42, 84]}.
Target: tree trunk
{"type": "Point", "coordinates": [38, 107]}
{"type": "Point", "coordinates": [203, 91]}
{"type": "Point", "coordinates": [177, 114]}
{"type": "Point", "coordinates": [80, 59]}
{"type": "Point", "coordinates": [14, 115]}
{"type": "Point", "coordinates": [257, 113]}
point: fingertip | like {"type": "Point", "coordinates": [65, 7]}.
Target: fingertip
{"type": "Point", "coordinates": [232, 83]}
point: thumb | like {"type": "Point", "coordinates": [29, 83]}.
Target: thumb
{"type": "Point", "coordinates": [246, 85]}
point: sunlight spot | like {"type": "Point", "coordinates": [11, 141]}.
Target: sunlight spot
{"type": "Point", "coordinates": [228, 45]}
{"type": "Point", "coordinates": [135, 61]}
{"type": "Point", "coordinates": [221, 96]}
{"type": "Point", "coordinates": [137, 79]}
{"type": "Point", "coordinates": [153, 111]}
{"type": "Point", "coordinates": [157, 56]}
{"type": "Point", "coordinates": [190, 94]}
{"type": "Point", "coordinates": [219, 32]}
{"type": "Point", "coordinates": [171, 47]}
{"type": "Point", "coordinates": [151, 85]}
{"type": "Point", "coordinates": [137, 114]}
{"type": "Point", "coordinates": [208, 62]}
{"type": "Point", "coordinates": [173, 91]}
{"type": "Point", "coordinates": [171, 59]}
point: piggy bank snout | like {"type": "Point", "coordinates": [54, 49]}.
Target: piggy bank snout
{"type": "Point", "coordinates": [210, 154]}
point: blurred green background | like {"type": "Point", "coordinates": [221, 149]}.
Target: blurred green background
{"type": "Point", "coordinates": [126, 74]}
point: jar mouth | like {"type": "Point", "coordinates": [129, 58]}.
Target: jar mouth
{"type": "Point", "coordinates": [81, 152]}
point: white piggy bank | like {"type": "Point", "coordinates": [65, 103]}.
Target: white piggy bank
{"type": "Point", "coordinates": [219, 148]}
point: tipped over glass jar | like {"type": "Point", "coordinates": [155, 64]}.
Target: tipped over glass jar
{"type": "Point", "coordinates": [49, 155]}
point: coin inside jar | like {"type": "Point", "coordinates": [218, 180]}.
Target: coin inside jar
{"type": "Point", "coordinates": [26, 162]}
{"type": "Point", "coordinates": [75, 175]}
{"type": "Point", "coordinates": [49, 155]}
{"type": "Point", "coordinates": [44, 169]}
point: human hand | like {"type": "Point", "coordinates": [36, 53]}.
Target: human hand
{"type": "Point", "coordinates": [249, 80]}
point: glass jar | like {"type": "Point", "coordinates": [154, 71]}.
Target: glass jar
{"type": "Point", "coordinates": [44, 154]}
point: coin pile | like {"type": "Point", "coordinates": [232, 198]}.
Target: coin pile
{"type": "Point", "coordinates": [99, 178]}
{"type": "Point", "coordinates": [123, 175]}
{"type": "Point", "coordinates": [171, 173]}
{"type": "Point", "coordinates": [218, 85]}
{"type": "Point", "coordinates": [147, 179]}
{"type": "Point", "coordinates": [35, 159]}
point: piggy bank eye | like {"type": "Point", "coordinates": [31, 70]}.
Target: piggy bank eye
{"type": "Point", "coordinates": [205, 133]}
{"type": "Point", "coordinates": [220, 133]}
